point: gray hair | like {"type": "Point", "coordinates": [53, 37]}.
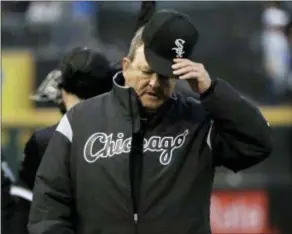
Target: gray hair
{"type": "Point", "coordinates": [135, 43]}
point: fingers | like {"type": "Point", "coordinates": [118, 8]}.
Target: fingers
{"type": "Point", "coordinates": [180, 63]}
{"type": "Point", "coordinates": [186, 69]}
{"type": "Point", "coordinates": [180, 60]}
{"type": "Point", "coordinates": [190, 75]}
{"type": "Point", "coordinates": [183, 70]}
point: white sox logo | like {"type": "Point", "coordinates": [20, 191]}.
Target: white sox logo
{"type": "Point", "coordinates": [166, 145]}
{"type": "Point", "coordinates": [179, 49]}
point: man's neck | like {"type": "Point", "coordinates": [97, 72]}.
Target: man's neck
{"type": "Point", "coordinates": [71, 101]}
{"type": "Point", "coordinates": [145, 113]}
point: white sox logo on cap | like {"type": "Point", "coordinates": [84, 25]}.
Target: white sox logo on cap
{"type": "Point", "coordinates": [179, 49]}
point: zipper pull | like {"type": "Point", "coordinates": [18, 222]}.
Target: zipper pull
{"type": "Point", "coordinates": [136, 218]}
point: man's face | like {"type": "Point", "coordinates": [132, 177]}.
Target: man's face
{"type": "Point", "coordinates": [152, 89]}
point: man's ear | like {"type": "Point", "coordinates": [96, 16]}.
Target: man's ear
{"type": "Point", "coordinates": [125, 63]}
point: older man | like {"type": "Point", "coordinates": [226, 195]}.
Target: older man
{"type": "Point", "coordinates": [141, 158]}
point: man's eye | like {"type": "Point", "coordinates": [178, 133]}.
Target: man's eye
{"type": "Point", "coordinates": [147, 72]}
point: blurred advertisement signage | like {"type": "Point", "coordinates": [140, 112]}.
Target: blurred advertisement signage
{"type": "Point", "coordinates": [238, 212]}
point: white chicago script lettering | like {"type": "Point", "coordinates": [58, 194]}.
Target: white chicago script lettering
{"type": "Point", "coordinates": [109, 146]}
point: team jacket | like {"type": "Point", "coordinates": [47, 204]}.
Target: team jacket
{"type": "Point", "coordinates": [108, 170]}
{"type": "Point", "coordinates": [34, 151]}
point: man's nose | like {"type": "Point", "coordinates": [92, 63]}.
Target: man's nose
{"type": "Point", "coordinates": [154, 81]}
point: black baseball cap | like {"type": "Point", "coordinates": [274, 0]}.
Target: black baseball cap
{"type": "Point", "coordinates": [167, 35]}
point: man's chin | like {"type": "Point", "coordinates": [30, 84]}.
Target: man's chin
{"type": "Point", "coordinates": [152, 105]}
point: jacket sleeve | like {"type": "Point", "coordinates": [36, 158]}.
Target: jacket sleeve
{"type": "Point", "coordinates": [239, 135]}
{"type": "Point", "coordinates": [52, 206]}
{"type": "Point", "coordinates": [30, 163]}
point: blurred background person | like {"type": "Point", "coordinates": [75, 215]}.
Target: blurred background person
{"type": "Point", "coordinates": [276, 52]}
{"type": "Point", "coordinates": [83, 73]}
{"type": "Point", "coordinates": [7, 200]}
{"type": "Point", "coordinates": [7, 180]}
{"type": "Point", "coordinates": [289, 36]}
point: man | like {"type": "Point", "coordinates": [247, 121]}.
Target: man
{"type": "Point", "coordinates": [146, 164]}
{"type": "Point", "coordinates": [50, 90]}
{"type": "Point", "coordinates": [83, 74]}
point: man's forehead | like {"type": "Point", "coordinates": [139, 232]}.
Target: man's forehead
{"type": "Point", "coordinates": [141, 60]}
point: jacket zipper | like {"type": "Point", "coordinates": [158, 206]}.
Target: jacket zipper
{"type": "Point", "coordinates": [136, 167]}
{"type": "Point", "coordinates": [136, 218]}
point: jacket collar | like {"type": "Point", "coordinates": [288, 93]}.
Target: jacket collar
{"type": "Point", "coordinates": [127, 98]}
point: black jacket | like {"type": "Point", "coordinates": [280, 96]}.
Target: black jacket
{"type": "Point", "coordinates": [85, 182]}
{"type": "Point", "coordinates": [22, 190]}
{"type": "Point", "coordinates": [33, 153]}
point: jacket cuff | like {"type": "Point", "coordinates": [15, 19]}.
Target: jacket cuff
{"type": "Point", "coordinates": [210, 90]}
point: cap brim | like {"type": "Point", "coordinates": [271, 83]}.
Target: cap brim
{"type": "Point", "coordinates": [159, 64]}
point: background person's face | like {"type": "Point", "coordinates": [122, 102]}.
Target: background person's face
{"type": "Point", "coordinates": [153, 90]}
